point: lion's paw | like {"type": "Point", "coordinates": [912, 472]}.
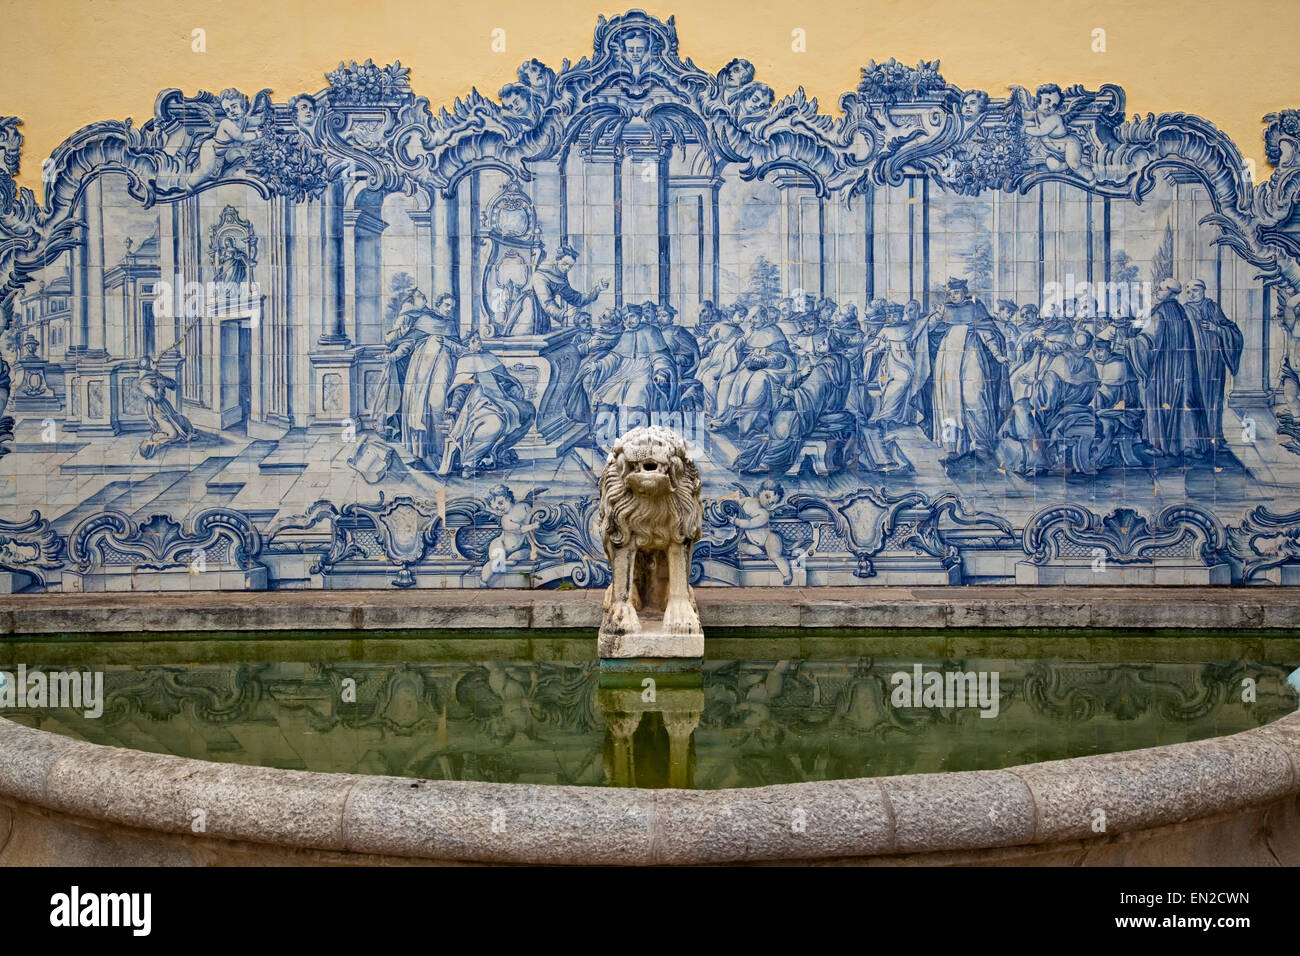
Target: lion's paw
{"type": "Point", "coordinates": [680, 618]}
{"type": "Point", "coordinates": [621, 619]}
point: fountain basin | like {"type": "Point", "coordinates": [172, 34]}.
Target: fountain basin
{"type": "Point", "coordinates": [1224, 800]}
{"type": "Point", "coordinates": [1220, 800]}
{"type": "Point", "coordinates": [1228, 798]}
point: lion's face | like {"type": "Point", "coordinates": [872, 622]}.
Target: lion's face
{"type": "Point", "coordinates": [650, 460]}
{"type": "Point", "coordinates": [647, 470]}
{"type": "Point", "coordinates": [650, 484]}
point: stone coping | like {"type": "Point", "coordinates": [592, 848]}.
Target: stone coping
{"type": "Point", "coordinates": [1182, 608]}
{"type": "Point", "coordinates": [1035, 804]}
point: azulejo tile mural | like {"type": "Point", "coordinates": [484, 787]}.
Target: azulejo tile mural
{"type": "Point", "coordinates": [349, 339]}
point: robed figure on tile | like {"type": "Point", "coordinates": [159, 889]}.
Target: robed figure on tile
{"type": "Point", "coordinates": [967, 374]}
{"type": "Point", "coordinates": [636, 376]}
{"type": "Point", "coordinates": [428, 341]}
{"type": "Point", "coordinates": [167, 425]}
{"type": "Point", "coordinates": [1162, 350]}
{"type": "Point", "coordinates": [489, 413]}
{"type": "Point", "coordinates": [548, 298]}
{"type": "Point", "coordinates": [1218, 352]}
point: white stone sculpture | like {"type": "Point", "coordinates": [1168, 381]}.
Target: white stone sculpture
{"type": "Point", "coordinates": [650, 514]}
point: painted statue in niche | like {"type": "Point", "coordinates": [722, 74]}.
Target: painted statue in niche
{"type": "Point", "coordinates": [870, 311]}
{"type": "Point", "coordinates": [232, 250]}
{"type": "Point", "coordinates": [233, 263]}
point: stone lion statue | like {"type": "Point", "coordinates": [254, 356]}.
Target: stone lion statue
{"type": "Point", "coordinates": [650, 514]}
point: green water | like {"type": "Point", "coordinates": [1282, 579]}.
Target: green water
{"type": "Point", "coordinates": [535, 708]}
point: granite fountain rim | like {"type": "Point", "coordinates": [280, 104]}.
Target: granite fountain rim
{"type": "Point", "coordinates": [378, 816]}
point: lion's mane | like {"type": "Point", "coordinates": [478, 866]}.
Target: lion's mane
{"type": "Point", "coordinates": [676, 516]}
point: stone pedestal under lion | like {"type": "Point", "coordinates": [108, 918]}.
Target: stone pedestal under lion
{"type": "Point", "coordinates": [650, 514]}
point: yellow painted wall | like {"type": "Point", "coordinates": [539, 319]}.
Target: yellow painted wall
{"type": "Point", "coordinates": [74, 62]}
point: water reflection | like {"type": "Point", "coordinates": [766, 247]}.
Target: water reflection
{"type": "Point", "coordinates": [650, 720]}
{"type": "Point", "coordinates": [733, 723]}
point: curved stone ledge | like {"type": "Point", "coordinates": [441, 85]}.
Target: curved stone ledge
{"type": "Point", "coordinates": [749, 608]}
{"type": "Point", "coordinates": [1045, 811]}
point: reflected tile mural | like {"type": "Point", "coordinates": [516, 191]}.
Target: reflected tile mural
{"type": "Point", "coordinates": [735, 723]}
{"type": "Point", "coordinates": [351, 339]}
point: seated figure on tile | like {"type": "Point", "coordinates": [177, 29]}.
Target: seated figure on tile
{"type": "Point", "coordinates": [1054, 425]}
{"type": "Point", "coordinates": [721, 350]}
{"type": "Point", "coordinates": [636, 377]}
{"type": "Point", "coordinates": [815, 399]}
{"type": "Point", "coordinates": [488, 410]}
{"type": "Point", "coordinates": [1036, 346]}
{"type": "Point", "coordinates": [806, 337]}
{"type": "Point", "coordinates": [1118, 405]}
{"type": "Point", "coordinates": [1020, 337]}
{"type": "Point", "coordinates": [685, 348]}
{"type": "Point", "coordinates": [765, 364]}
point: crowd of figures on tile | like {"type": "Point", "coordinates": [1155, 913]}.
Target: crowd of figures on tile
{"type": "Point", "coordinates": [348, 339]}
{"type": "Point", "coordinates": [1026, 389]}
